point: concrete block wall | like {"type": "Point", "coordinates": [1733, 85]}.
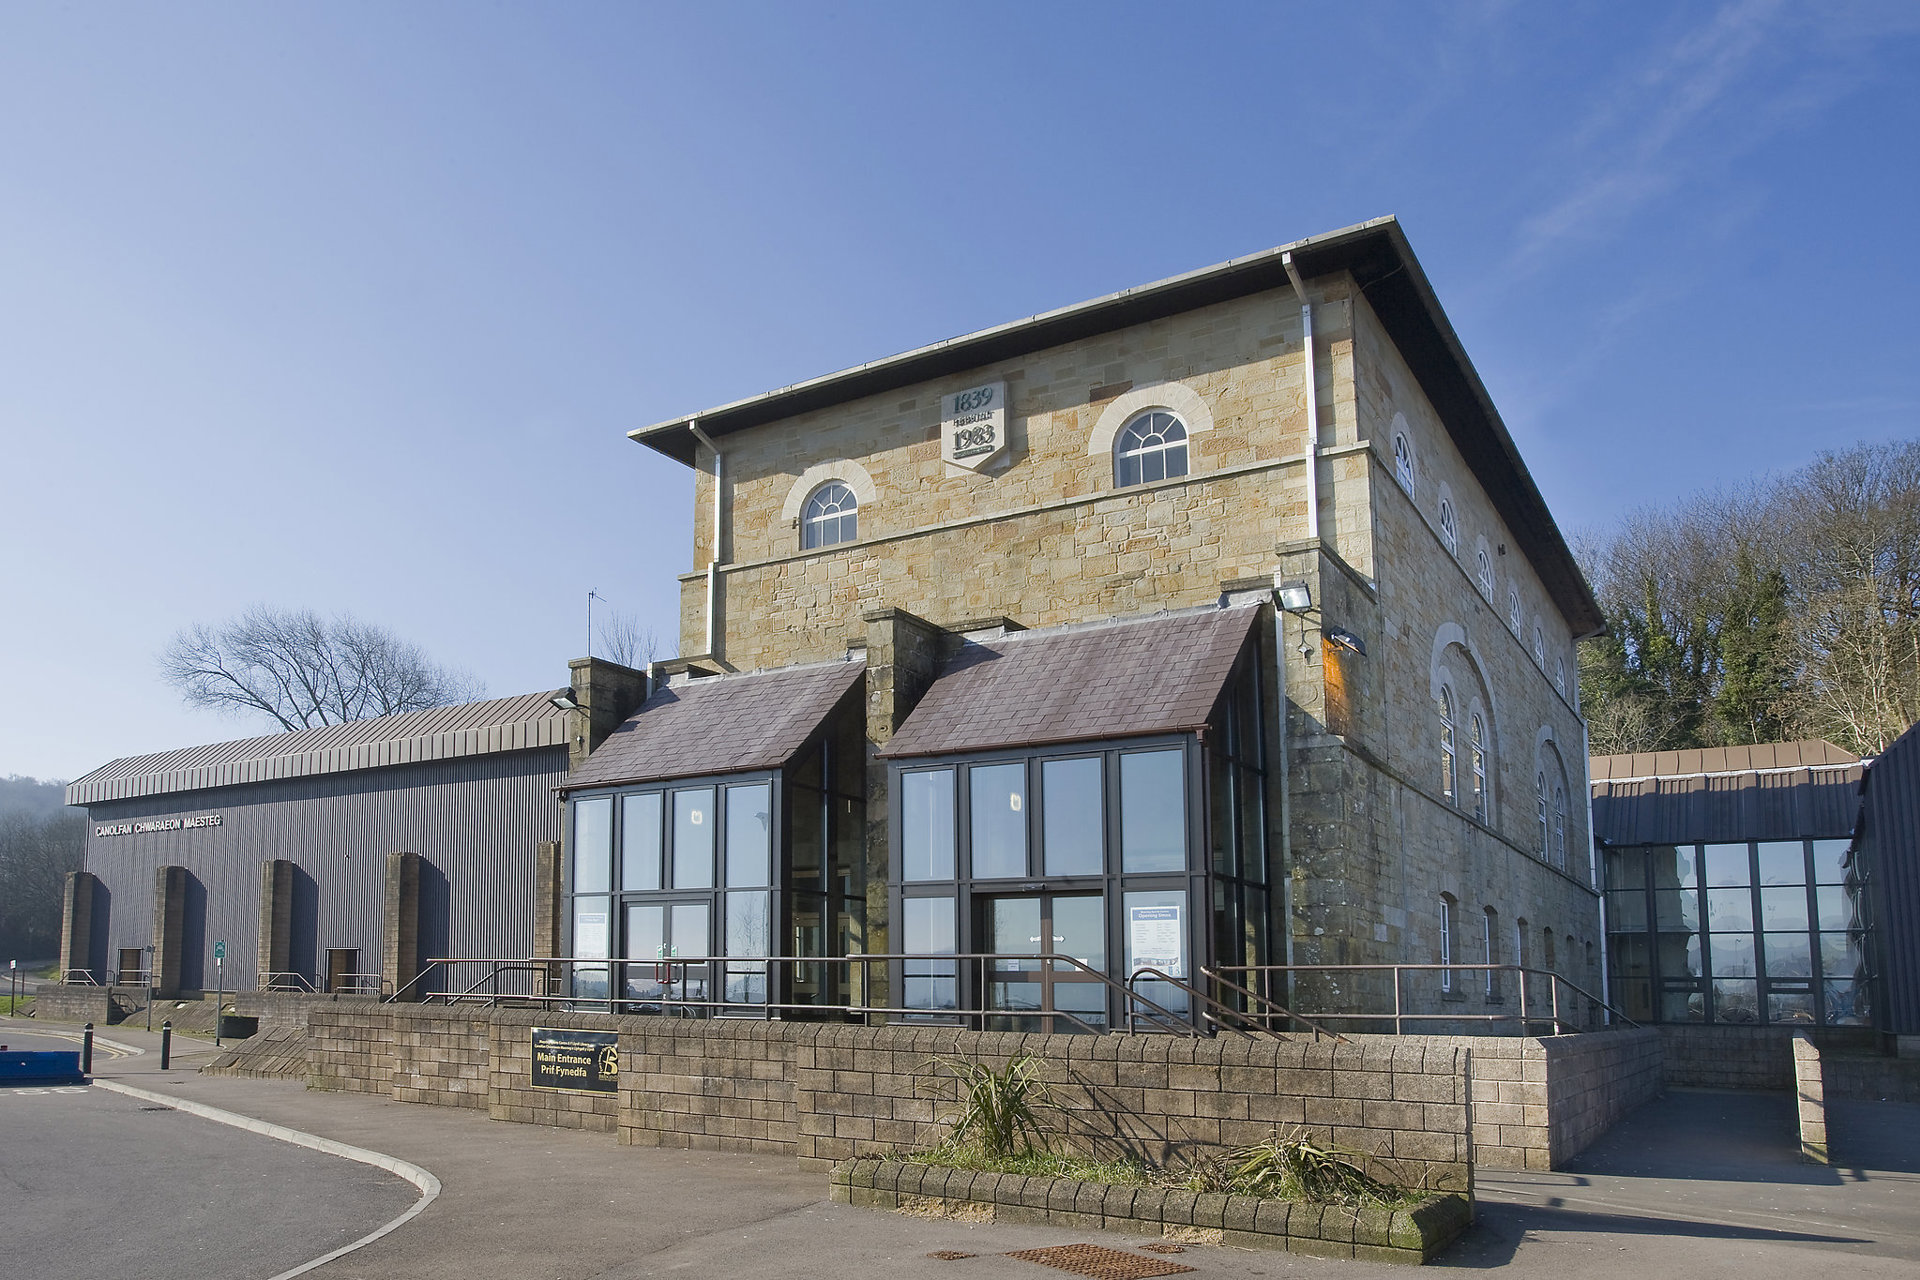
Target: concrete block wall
{"type": "Point", "coordinates": [724, 1085]}
{"type": "Point", "coordinates": [505, 1080]}
{"type": "Point", "coordinates": [1730, 1057]}
{"type": "Point", "coordinates": [1810, 1094]}
{"type": "Point", "coordinates": [351, 1047]}
{"type": "Point", "coordinates": [74, 1004]}
{"type": "Point", "coordinates": [442, 1060]}
{"type": "Point", "coordinates": [862, 1091]}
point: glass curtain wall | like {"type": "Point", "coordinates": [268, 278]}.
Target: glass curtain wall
{"type": "Point", "coordinates": [745, 865]}
{"type": "Point", "coordinates": [1066, 864]}
{"type": "Point", "coordinates": [1735, 932]}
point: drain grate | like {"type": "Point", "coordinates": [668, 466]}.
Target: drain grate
{"type": "Point", "coordinates": [1099, 1262]}
{"type": "Point", "coordinates": [951, 1255]}
{"type": "Point", "coordinates": [1164, 1248]}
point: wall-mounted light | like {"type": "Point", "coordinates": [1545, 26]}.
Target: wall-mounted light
{"type": "Point", "coordinates": [1294, 597]}
{"type": "Point", "coordinates": [1346, 640]}
{"type": "Point", "coordinates": [565, 700]}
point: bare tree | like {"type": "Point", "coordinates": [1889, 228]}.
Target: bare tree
{"type": "Point", "coordinates": [304, 670]}
{"type": "Point", "coordinates": [625, 641]}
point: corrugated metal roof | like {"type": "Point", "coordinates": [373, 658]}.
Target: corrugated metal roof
{"type": "Point", "coordinates": [1768, 791]}
{"type": "Point", "coordinates": [1077, 684]}
{"type": "Point", "coordinates": [439, 733]}
{"type": "Point", "coordinates": [719, 724]}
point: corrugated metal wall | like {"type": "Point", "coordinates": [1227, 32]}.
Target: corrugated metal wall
{"type": "Point", "coordinates": [1889, 845]}
{"type": "Point", "coordinates": [475, 822]}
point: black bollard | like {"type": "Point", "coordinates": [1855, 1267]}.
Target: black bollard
{"type": "Point", "coordinates": [166, 1044]}
{"type": "Point", "coordinates": [86, 1051]}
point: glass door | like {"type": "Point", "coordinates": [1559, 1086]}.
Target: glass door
{"type": "Point", "coordinates": [1028, 986]}
{"type": "Point", "coordinates": [657, 932]}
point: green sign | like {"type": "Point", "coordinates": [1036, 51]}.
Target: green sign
{"type": "Point", "coordinates": [220, 950]}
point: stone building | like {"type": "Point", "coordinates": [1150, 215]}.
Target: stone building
{"type": "Point", "coordinates": [1208, 626]}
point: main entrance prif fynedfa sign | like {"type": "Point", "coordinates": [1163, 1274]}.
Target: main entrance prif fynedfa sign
{"type": "Point", "coordinates": [973, 425]}
{"type": "Point", "coordinates": [575, 1060]}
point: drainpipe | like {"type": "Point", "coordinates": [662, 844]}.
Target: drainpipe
{"type": "Point", "coordinates": [1286, 797]}
{"type": "Point", "coordinates": [1313, 399]}
{"type": "Point", "coordinates": [713, 561]}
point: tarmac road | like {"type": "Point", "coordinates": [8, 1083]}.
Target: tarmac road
{"type": "Point", "coordinates": [94, 1183]}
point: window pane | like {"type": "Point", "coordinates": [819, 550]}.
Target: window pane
{"type": "Point", "coordinates": [1736, 1000]}
{"type": "Point", "coordinates": [927, 928]}
{"type": "Point", "coordinates": [1626, 868]}
{"type": "Point", "coordinates": [590, 942]}
{"type": "Point", "coordinates": [689, 938]}
{"type": "Point", "coordinates": [1126, 471]}
{"type": "Point", "coordinates": [1784, 908]}
{"type": "Point", "coordinates": [640, 841]}
{"type": "Point", "coordinates": [1726, 864]}
{"type": "Point", "coordinates": [749, 835]}
{"type": "Point", "coordinates": [1789, 1006]}
{"type": "Point", "coordinates": [1630, 956]}
{"type": "Point", "coordinates": [1729, 909]}
{"type": "Point", "coordinates": [1782, 862]}
{"type": "Point", "coordinates": [1842, 1006]}
{"type": "Point", "coordinates": [850, 847]}
{"type": "Point", "coordinates": [1153, 811]}
{"type": "Point", "coordinates": [1826, 861]}
{"type": "Point", "coordinates": [1677, 909]}
{"type": "Point", "coordinates": [1672, 866]}
{"type": "Point", "coordinates": [693, 839]}
{"type": "Point", "coordinates": [1626, 911]}
{"type": "Point", "coordinates": [1013, 929]}
{"type": "Point", "coordinates": [1733, 955]}
{"type": "Point", "coordinates": [1156, 938]}
{"type": "Point", "coordinates": [1221, 821]}
{"type": "Point", "coordinates": [1683, 1006]}
{"type": "Point", "coordinates": [646, 942]}
{"type": "Point", "coordinates": [1839, 956]}
{"type": "Point", "coordinates": [593, 845]}
{"type": "Point", "coordinates": [748, 935]}
{"type": "Point", "coordinates": [1080, 930]}
{"type": "Point", "coordinates": [926, 825]}
{"type": "Point", "coordinates": [1789, 955]}
{"type": "Point", "coordinates": [807, 811]}
{"type": "Point", "coordinates": [1251, 828]}
{"type": "Point", "coordinates": [1835, 911]}
{"type": "Point", "coordinates": [1072, 812]}
{"type": "Point", "coordinates": [999, 835]}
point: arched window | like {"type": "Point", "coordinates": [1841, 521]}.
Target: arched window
{"type": "Point", "coordinates": [1449, 784]}
{"type": "Point", "coordinates": [1403, 463]}
{"type": "Point", "coordinates": [1484, 563]}
{"type": "Point", "coordinates": [1540, 808]}
{"type": "Point", "coordinates": [1546, 939]}
{"type": "Point", "coordinates": [1513, 609]}
{"type": "Point", "coordinates": [1446, 941]}
{"type": "Point", "coordinates": [832, 514]}
{"type": "Point", "coordinates": [1449, 526]}
{"type": "Point", "coordinates": [1560, 828]}
{"type": "Point", "coordinates": [1151, 447]}
{"type": "Point", "coordinates": [1539, 646]}
{"type": "Point", "coordinates": [1477, 758]}
{"type": "Point", "coordinates": [1560, 674]}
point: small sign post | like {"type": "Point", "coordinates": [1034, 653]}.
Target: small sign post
{"type": "Point", "coordinates": [220, 987]}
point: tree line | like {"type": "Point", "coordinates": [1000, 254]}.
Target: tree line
{"type": "Point", "coordinates": [1788, 607]}
{"type": "Point", "coordinates": [40, 841]}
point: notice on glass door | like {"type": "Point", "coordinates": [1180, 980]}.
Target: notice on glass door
{"type": "Point", "coordinates": [1155, 941]}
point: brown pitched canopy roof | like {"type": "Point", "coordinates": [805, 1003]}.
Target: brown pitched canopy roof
{"type": "Point", "coordinates": [440, 733]}
{"type": "Point", "coordinates": [1076, 684]}
{"type": "Point", "coordinates": [1769, 791]}
{"type": "Point", "coordinates": [719, 724]}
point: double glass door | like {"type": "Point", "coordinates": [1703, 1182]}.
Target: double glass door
{"type": "Point", "coordinates": [657, 932]}
{"type": "Point", "coordinates": [1026, 986]}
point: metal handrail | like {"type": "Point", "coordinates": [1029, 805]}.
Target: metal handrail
{"type": "Point", "coordinates": [691, 1005]}
{"type": "Point", "coordinates": [369, 984]}
{"type": "Point", "coordinates": [1522, 1019]}
{"type": "Point", "coordinates": [1272, 1008]}
{"type": "Point", "coordinates": [78, 978]}
{"type": "Point", "coordinates": [288, 981]}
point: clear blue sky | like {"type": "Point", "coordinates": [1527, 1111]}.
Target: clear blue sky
{"type": "Point", "coordinates": [349, 306]}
